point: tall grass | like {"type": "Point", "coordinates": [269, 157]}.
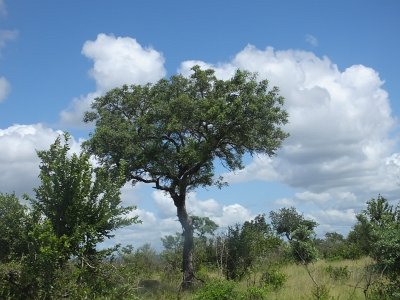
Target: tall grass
{"type": "Point", "coordinates": [300, 286]}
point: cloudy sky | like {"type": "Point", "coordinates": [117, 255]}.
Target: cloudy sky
{"type": "Point", "coordinates": [335, 62]}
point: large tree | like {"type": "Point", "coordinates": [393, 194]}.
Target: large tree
{"type": "Point", "coordinates": [170, 133]}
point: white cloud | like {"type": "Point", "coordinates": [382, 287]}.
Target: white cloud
{"type": "Point", "coordinates": [154, 227]}
{"type": "Point", "coordinates": [165, 205]}
{"type": "Point", "coordinates": [223, 215]}
{"type": "Point", "coordinates": [122, 60]}
{"type": "Point", "coordinates": [339, 121]}
{"type": "Point", "coordinates": [116, 61]}
{"type": "Point", "coordinates": [73, 115]}
{"type": "Point", "coordinates": [19, 164]}
{"type": "Point", "coordinates": [312, 40]}
{"type": "Point", "coordinates": [332, 217]}
{"type": "Point", "coordinates": [284, 202]}
{"type": "Point", "coordinates": [261, 168]}
{"type": "Point", "coordinates": [4, 88]}
{"type": "Point", "coordinates": [340, 152]}
{"type": "Point", "coordinates": [317, 198]}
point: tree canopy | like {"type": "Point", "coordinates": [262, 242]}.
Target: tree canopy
{"type": "Point", "coordinates": [170, 133]}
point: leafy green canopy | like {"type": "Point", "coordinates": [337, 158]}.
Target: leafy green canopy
{"type": "Point", "coordinates": [169, 133]}
{"type": "Point", "coordinates": [81, 202]}
{"type": "Point", "coordinates": [13, 216]}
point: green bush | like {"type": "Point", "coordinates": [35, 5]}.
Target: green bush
{"type": "Point", "coordinates": [320, 292]}
{"type": "Point", "coordinates": [338, 273]}
{"type": "Point", "coordinates": [385, 290]}
{"type": "Point", "coordinates": [217, 290]}
{"type": "Point", "coordinates": [255, 293]}
{"type": "Point", "coordinates": [274, 279]}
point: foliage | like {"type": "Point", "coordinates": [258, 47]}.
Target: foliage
{"type": "Point", "coordinates": [385, 290]}
{"type": "Point", "coordinates": [203, 226]}
{"type": "Point", "coordinates": [274, 279]}
{"type": "Point", "coordinates": [287, 220]}
{"type": "Point", "coordinates": [247, 244]}
{"type": "Point", "coordinates": [82, 203]}
{"type": "Point", "coordinates": [255, 293]}
{"type": "Point", "coordinates": [218, 289]}
{"type": "Point", "coordinates": [383, 223]}
{"type": "Point", "coordinates": [173, 245]}
{"type": "Point", "coordinates": [333, 247]}
{"type": "Point", "coordinates": [204, 230]}
{"type": "Point", "coordinates": [302, 245]}
{"type": "Point", "coordinates": [378, 229]}
{"type": "Point", "coordinates": [320, 292]}
{"type": "Point", "coordinates": [340, 273]}
{"type": "Point", "coordinates": [170, 133]}
{"type": "Point", "coordinates": [299, 232]}
{"type": "Point", "coordinates": [12, 224]}
{"type": "Point", "coordinates": [76, 207]}
{"type": "Point", "coordinates": [360, 237]}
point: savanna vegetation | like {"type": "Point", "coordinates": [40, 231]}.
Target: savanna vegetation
{"type": "Point", "coordinates": [170, 135]}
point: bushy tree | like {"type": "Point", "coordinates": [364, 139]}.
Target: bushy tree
{"type": "Point", "coordinates": [385, 232]}
{"type": "Point", "coordinates": [13, 217]}
{"type": "Point", "coordinates": [173, 245]}
{"type": "Point", "coordinates": [378, 232]}
{"type": "Point", "coordinates": [204, 231]}
{"type": "Point", "coordinates": [334, 246]}
{"type": "Point", "coordinates": [170, 134]}
{"type": "Point", "coordinates": [82, 203]}
{"type": "Point", "coordinates": [76, 207]}
{"type": "Point", "coordinates": [247, 244]}
{"type": "Point", "coordinates": [286, 220]}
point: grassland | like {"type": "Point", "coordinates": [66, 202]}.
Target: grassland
{"type": "Point", "coordinates": [298, 286]}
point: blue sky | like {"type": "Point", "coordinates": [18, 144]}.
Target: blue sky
{"type": "Point", "coordinates": [336, 63]}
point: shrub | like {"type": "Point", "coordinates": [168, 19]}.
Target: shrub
{"type": "Point", "coordinates": [338, 273]}
{"type": "Point", "coordinates": [255, 293]}
{"type": "Point", "coordinates": [320, 292]}
{"type": "Point", "coordinates": [274, 279]}
{"type": "Point", "coordinates": [217, 290]}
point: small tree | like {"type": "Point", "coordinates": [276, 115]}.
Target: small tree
{"type": "Point", "coordinates": [170, 134]}
{"type": "Point", "coordinates": [13, 217]}
{"type": "Point", "coordinates": [287, 220]}
{"type": "Point", "coordinates": [383, 222]}
{"type": "Point", "coordinates": [247, 245]}
{"type": "Point", "coordinates": [301, 236]}
{"type": "Point", "coordinates": [82, 203]}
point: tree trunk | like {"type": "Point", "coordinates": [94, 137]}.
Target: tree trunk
{"type": "Point", "coordinates": [187, 227]}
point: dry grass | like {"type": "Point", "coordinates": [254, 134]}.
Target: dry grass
{"type": "Point", "coordinates": [300, 286]}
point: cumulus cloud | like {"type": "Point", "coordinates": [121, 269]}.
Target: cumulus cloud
{"type": "Point", "coordinates": [73, 115]}
{"type": "Point", "coordinates": [4, 88]}
{"type": "Point", "coordinates": [261, 168]}
{"type": "Point", "coordinates": [116, 61]}
{"type": "Point", "coordinates": [122, 60]}
{"type": "Point", "coordinates": [223, 215]}
{"type": "Point", "coordinates": [19, 164]}
{"type": "Point", "coordinates": [339, 121]}
{"type": "Point", "coordinates": [340, 151]}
